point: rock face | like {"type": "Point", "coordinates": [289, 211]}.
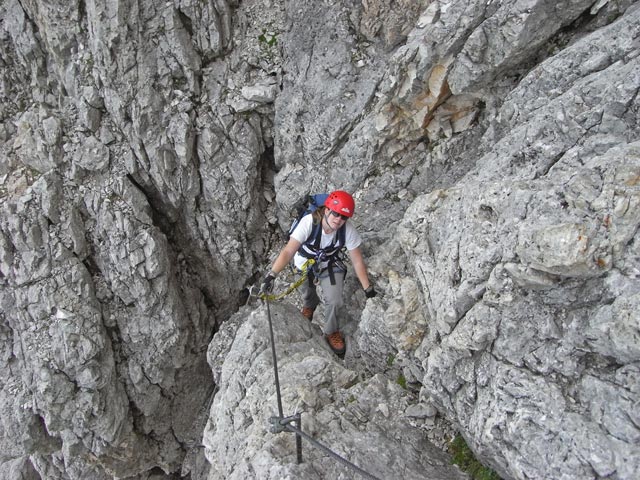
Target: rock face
{"type": "Point", "coordinates": [149, 159]}
{"type": "Point", "coordinates": [344, 414]}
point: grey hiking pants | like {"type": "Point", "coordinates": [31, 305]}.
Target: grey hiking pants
{"type": "Point", "coordinates": [332, 297]}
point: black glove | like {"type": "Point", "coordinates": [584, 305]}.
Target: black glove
{"type": "Point", "coordinates": [267, 283]}
{"type": "Point", "coordinates": [370, 292]}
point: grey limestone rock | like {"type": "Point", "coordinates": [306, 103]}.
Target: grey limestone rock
{"type": "Point", "coordinates": [362, 420]}
{"type": "Point", "coordinates": [150, 156]}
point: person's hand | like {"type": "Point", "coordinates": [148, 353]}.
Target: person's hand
{"type": "Point", "coordinates": [370, 292]}
{"type": "Point", "coordinates": [267, 283]}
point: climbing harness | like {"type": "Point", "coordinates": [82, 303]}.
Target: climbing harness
{"type": "Point", "coordinates": [311, 247]}
{"type": "Point", "coordinates": [293, 423]}
{"type": "Point", "coordinates": [328, 256]}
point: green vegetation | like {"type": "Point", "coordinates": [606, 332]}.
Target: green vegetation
{"type": "Point", "coordinates": [402, 381]}
{"type": "Point", "coordinates": [463, 457]}
{"type": "Point", "coordinates": [268, 42]}
{"type": "Point", "coordinates": [390, 359]}
{"type": "Point", "coordinates": [267, 38]}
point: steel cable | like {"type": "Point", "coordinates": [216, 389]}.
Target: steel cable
{"type": "Point", "coordinates": [275, 361]}
{"type": "Point", "coordinates": [286, 425]}
{"type": "Point", "coordinates": [330, 452]}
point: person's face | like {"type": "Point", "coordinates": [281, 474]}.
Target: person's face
{"type": "Point", "coordinates": [335, 220]}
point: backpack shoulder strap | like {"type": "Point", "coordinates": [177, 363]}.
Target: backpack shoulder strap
{"type": "Point", "coordinates": [316, 236]}
{"type": "Point", "coordinates": [342, 235]}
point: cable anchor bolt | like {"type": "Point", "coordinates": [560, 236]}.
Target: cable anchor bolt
{"type": "Point", "coordinates": [279, 424]}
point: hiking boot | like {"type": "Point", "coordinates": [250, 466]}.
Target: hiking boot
{"type": "Point", "coordinates": [336, 342]}
{"type": "Point", "coordinates": [307, 312]}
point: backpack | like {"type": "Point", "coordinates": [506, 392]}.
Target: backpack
{"type": "Point", "coordinates": [307, 206]}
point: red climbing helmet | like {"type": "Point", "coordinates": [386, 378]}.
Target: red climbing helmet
{"type": "Point", "coordinates": [340, 202]}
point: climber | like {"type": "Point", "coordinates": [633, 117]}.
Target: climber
{"type": "Point", "coordinates": [321, 236]}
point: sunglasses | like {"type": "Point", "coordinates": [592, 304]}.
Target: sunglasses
{"type": "Point", "coordinates": [336, 214]}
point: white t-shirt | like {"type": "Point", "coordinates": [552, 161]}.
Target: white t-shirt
{"type": "Point", "coordinates": [352, 238]}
